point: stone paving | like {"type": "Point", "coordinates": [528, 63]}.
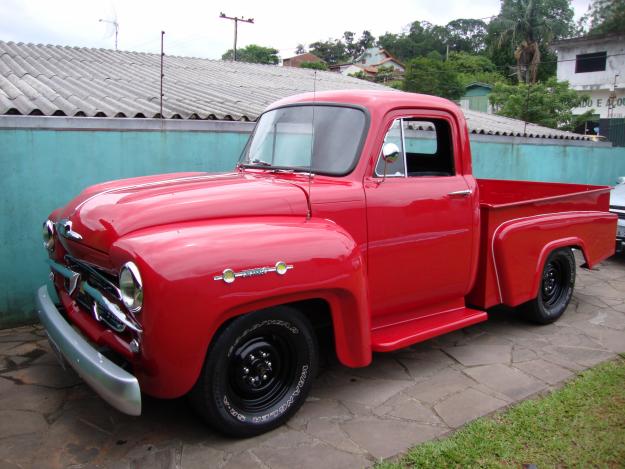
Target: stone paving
{"type": "Point", "coordinates": [353, 417]}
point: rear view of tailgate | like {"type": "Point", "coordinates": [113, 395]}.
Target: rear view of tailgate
{"type": "Point", "coordinates": [521, 222]}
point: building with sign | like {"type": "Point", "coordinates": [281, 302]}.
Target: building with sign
{"type": "Point", "coordinates": [595, 66]}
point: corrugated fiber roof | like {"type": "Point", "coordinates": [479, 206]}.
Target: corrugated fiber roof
{"type": "Point", "coordinates": [55, 80]}
{"type": "Point", "coordinates": [48, 80]}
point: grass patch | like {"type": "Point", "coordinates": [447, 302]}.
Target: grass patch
{"type": "Point", "coordinates": [579, 425]}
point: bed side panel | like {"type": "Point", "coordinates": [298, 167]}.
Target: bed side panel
{"type": "Point", "coordinates": [520, 248]}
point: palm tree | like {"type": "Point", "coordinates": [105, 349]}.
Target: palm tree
{"type": "Point", "coordinates": [525, 25]}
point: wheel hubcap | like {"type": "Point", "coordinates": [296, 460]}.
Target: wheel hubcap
{"type": "Point", "coordinates": [261, 373]}
{"type": "Point", "coordinates": [257, 368]}
{"type": "Point", "coordinates": [554, 283]}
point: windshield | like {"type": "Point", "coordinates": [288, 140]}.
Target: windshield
{"type": "Point", "coordinates": [317, 138]}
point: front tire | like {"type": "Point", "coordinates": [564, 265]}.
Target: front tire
{"type": "Point", "coordinates": [556, 288]}
{"type": "Point", "coordinates": [257, 373]}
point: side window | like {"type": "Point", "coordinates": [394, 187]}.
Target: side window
{"type": "Point", "coordinates": [398, 167]}
{"type": "Point", "coordinates": [425, 148]}
{"type": "Point", "coordinates": [429, 150]}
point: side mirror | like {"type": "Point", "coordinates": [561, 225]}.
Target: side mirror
{"type": "Point", "coordinates": [390, 153]}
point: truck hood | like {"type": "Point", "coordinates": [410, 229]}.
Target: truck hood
{"type": "Point", "coordinates": [101, 214]}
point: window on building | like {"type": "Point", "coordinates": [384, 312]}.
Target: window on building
{"type": "Point", "coordinates": [594, 62]}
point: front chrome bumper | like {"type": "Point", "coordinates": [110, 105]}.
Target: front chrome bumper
{"type": "Point", "coordinates": [114, 384]}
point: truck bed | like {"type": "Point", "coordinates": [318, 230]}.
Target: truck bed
{"type": "Point", "coordinates": [520, 220]}
{"type": "Point", "coordinates": [497, 193]}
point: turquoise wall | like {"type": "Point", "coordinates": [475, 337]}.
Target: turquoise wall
{"type": "Point", "coordinates": [555, 163]}
{"type": "Point", "coordinates": [44, 169]}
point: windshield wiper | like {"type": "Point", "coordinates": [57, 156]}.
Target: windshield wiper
{"type": "Point", "coordinates": [269, 167]}
{"type": "Point", "coordinates": [255, 164]}
{"type": "Point", "coordinates": [260, 162]}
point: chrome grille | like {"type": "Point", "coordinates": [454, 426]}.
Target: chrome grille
{"type": "Point", "coordinates": [97, 277]}
{"type": "Point", "coordinates": [102, 281]}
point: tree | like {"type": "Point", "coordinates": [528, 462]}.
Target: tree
{"type": "Point", "coordinates": [360, 74]}
{"type": "Point", "coordinates": [473, 68]}
{"type": "Point", "coordinates": [314, 65]}
{"type": "Point", "coordinates": [300, 49]}
{"type": "Point", "coordinates": [254, 54]}
{"type": "Point", "coordinates": [421, 38]}
{"type": "Point", "coordinates": [355, 48]}
{"type": "Point", "coordinates": [522, 31]}
{"type": "Point", "coordinates": [385, 74]}
{"type": "Point", "coordinates": [605, 16]}
{"type": "Point", "coordinates": [549, 103]}
{"type": "Point", "coordinates": [432, 75]}
{"type": "Point", "coordinates": [331, 51]}
{"type": "Point", "coordinates": [366, 41]}
{"type": "Point", "coordinates": [466, 35]}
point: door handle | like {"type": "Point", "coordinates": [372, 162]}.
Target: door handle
{"type": "Point", "coordinates": [462, 193]}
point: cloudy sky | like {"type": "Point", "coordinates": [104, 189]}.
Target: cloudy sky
{"type": "Point", "coordinates": [194, 28]}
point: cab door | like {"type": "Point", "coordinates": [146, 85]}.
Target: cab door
{"type": "Point", "coordinates": [420, 218]}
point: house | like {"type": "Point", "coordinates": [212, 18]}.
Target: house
{"type": "Point", "coordinates": [475, 97]}
{"type": "Point", "coordinates": [350, 69]}
{"type": "Point", "coordinates": [298, 60]}
{"type": "Point", "coordinates": [369, 63]}
{"type": "Point", "coordinates": [377, 57]}
{"type": "Point", "coordinates": [595, 66]}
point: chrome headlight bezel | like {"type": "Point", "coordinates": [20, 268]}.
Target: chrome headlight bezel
{"type": "Point", "coordinates": [131, 287]}
{"type": "Point", "coordinates": [47, 232]}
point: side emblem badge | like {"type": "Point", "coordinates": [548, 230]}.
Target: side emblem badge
{"type": "Point", "coordinates": [230, 275]}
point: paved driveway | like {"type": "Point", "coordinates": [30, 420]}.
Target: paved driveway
{"type": "Point", "coordinates": [352, 418]}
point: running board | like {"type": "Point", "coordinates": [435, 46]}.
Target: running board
{"type": "Point", "coordinates": [396, 336]}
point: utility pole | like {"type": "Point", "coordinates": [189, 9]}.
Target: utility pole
{"type": "Point", "coordinates": [612, 99]}
{"type": "Point", "coordinates": [114, 23]}
{"type": "Point", "coordinates": [527, 105]}
{"type": "Point", "coordinates": [162, 73]}
{"type": "Point", "coordinates": [236, 22]}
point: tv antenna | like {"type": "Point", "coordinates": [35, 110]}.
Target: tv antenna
{"type": "Point", "coordinates": [116, 26]}
{"type": "Point", "coordinates": [236, 22]}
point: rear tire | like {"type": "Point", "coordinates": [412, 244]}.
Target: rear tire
{"type": "Point", "coordinates": [257, 373]}
{"type": "Point", "coordinates": [555, 290]}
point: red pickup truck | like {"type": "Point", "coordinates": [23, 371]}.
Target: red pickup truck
{"type": "Point", "coordinates": [353, 209]}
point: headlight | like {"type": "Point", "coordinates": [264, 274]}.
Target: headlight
{"type": "Point", "coordinates": [131, 287]}
{"type": "Point", "coordinates": [47, 232]}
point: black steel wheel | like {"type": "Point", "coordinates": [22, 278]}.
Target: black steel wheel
{"type": "Point", "coordinates": [556, 288]}
{"type": "Point", "coordinates": [257, 372]}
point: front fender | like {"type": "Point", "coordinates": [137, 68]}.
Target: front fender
{"type": "Point", "coordinates": [184, 303]}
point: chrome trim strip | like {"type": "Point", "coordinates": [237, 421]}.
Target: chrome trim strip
{"type": "Point", "coordinates": [114, 384]}
{"type": "Point", "coordinates": [110, 307]}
